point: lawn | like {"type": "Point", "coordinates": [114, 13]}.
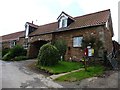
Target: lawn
{"type": "Point", "coordinates": [77, 76]}
{"type": "Point", "coordinates": [62, 67]}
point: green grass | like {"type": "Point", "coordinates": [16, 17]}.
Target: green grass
{"type": "Point", "coordinates": [77, 76]}
{"type": "Point", "coordinates": [62, 67]}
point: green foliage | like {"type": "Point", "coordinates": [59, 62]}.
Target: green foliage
{"type": "Point", "coordinates": [61, 45]}
{"type": "Point", "coordinates": [77, 76]}
{"type": "Point", "coordinates": [62, 67]}
{"type": "Point", "coordinates": [19, 58]}
{"type": "Point", "coordinates": [48, 55]}
{"type": "Point", "coordinates": [14, 52]}
{"type": "Point", "coordinates": [7, 57]}
{"type": "Point", "coordinates": [93, 42]}
{"type": "Point", "coordinates": [5, 51]}
{"type": "Point", "coordinates": [18, 51]}
{"type": "Point", "coordinates": [88, 41]}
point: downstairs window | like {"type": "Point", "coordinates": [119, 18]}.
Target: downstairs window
{"type": "Point", "coordinates": [77, 41]}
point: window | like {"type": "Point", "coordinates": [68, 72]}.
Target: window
{"type": "Point", "coordinates": [25, 46]}
{"type": "Point", "coordinates": [77, 41]}
{"type": "Point", "coordinates": [12, 43]}
{"type": "Point", "coordinates": [63, 22]}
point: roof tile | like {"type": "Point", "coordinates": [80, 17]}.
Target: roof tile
{"type": "Point", "coordinates": [12, 36]}
{"type": "Point", "coordinates": [93, 19]}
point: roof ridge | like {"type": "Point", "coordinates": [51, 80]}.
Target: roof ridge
{"type": "Point", "coordinates": [66, 15]}
{"type": "Point", "coordinates": [13, 33]}
{"type": "Point", "coordinates": [51, 27]}
{"type": "Point", "coordinates": [76, 17]}
{"type": "Point", "coordinates": [92, 13]}
{"type": "Point", "coordinates": [48, 24]}
{"type": "Point", "coordinates": [32, 23]}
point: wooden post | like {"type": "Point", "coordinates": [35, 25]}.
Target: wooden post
{"type": "Point", "coordinates": [85, 64]}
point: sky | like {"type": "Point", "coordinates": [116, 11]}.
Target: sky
{"type": "Point", "coordinates": [15, 13]}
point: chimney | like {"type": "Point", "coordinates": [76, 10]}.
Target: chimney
{"type": "Point", "coordinates": [32, 22]}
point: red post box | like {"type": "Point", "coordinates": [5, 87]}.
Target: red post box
{"type": "Point", "coordinates": [86, 52]}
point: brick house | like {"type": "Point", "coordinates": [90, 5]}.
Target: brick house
{"type": "Point", "coordinates": [71, 29]}
{"type": "Point", "coordinates": [10, 40]}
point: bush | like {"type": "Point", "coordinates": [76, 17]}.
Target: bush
{"type": "Point", "coordinates": [19, 58]}
{"type": "Point", "coordinates": [18, 51]}
{"type": "Point", "coordinates": [14, 52]}
{"type": "Point", "coordinates": [48, 55]}
{"type": "Point", "coordinates": [61, 46]}
{"type": "Point", "coordinates": [7, 57]}
{"type": "Point", "coordinates": [93, 42]}
{"type": "Point", "coordinates": [5, 51]}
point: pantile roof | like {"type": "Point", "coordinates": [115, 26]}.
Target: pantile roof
{"type": "Point", "coordinates": [93, 19]}
{"type": "Point", "coordinates": [32, 25]}
{"type": "Point", "coordinates": [12, 36]}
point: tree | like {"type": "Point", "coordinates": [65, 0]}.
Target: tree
{"type": "Point", "coordinates": [93, 42]}
{"type": "Point", "coordinates": [61, 45]}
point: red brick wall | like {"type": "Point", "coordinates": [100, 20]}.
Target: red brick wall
{"type": "Point", "coordinates": [77, 53]}
{"type": "Point", "coordinates": [32, 50]}
{"type": "Point", "coordinates": [21, 41]}
{"type": "Point", "coordinates": [46, 37]}
{"type": "Point", "coordinates": [108, 40]}
{"type": "Point", "coordinates": [74, 52]}
{"type": "Point", "coordinates": [5, 44]}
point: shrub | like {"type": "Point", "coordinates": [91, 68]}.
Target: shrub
{"type": "Point", "coordinates": [14, 52]}
{"type": "Point", "coordinates": [18, 51]}
{"type": "Point", "coordinates": [48, 55]}
{"type": "Point", "coordinates": [61, 46]}
{"type": "Point", "coordinates": [5, 51]}
{"type": "Point", "coordinates": [19, 58]}
{"type": "Point", "coordinates": [93, 42]}
{"type": "Point", "coordinates": [7, 57]}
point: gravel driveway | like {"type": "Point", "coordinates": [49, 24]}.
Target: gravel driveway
{"type": "Point", "coordinates": [19, 75]}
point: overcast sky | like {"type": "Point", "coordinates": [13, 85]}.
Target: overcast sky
{"type": "Point", "coordinates": [14, 13]}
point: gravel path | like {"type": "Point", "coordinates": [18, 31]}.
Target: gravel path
{"type": "Point", "coordinates": [33, 78]}
{"type": "Point", "coordinates": [17, 75]}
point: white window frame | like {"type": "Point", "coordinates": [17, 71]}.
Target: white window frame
{"type": "Point", "coordinates": [63, 22]}
{"type": "Point", "coordinates": [77, 41]}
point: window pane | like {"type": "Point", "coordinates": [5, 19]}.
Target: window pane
{"type": "Point", "coordinates": [63, 22]}
{"type": "Point", "coordinates": [77, 41]}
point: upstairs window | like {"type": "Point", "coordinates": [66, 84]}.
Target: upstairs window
{"type": "Point", "coordinates": [77, 41]}
{"type": "Point", "coordinates": [63, 22]}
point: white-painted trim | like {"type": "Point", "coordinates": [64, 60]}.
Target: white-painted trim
{"type": "Point", "coordinates": [26, 30]}
{"type": "Point", "coordinates": [63, 20]}
{"type": "Point", "coordinates": [62, 15]}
